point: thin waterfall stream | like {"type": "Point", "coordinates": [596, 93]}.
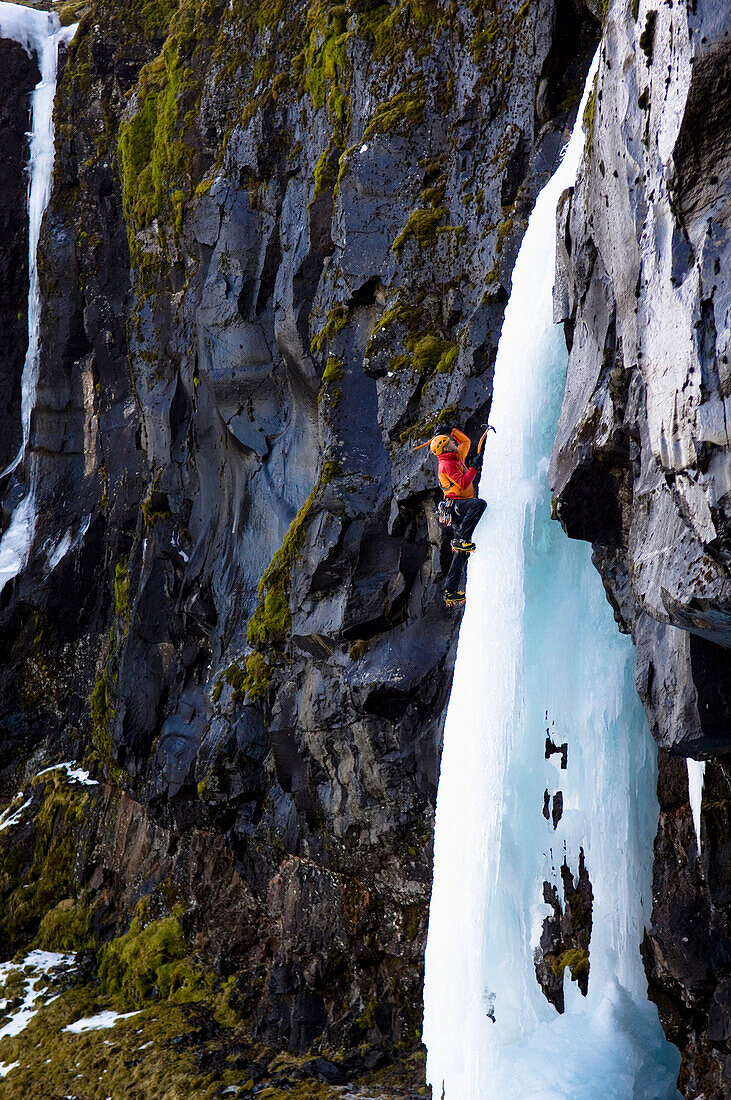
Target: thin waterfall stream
{"type": "Point", "coordinates": [539, 660]}
{"type": "Point", "coordinates": [39, 33]}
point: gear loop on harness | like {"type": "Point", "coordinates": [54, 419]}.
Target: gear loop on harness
{"type": "Point", "coordinates": [445, 517]}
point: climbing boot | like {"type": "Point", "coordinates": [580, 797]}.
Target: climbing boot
{"type": "Point", "coordinates": [463, 546]}
{"type": "Point", "coordinates": [454, 599]}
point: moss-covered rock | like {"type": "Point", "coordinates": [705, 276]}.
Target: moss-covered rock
{"type": "Point", "coordinates": [149, 963]}
{"type": "Point", "coordinates": [43, 899]}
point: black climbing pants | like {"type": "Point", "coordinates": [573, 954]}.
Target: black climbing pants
{"type": "Point", "coordinates": [466, 515]}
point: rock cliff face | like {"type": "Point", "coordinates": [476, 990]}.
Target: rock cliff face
{"type": "Point", "coordinates": [277, 254]}
{"type": "Point", "coordinates": [641, 462]}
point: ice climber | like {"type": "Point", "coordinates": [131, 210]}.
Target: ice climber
{"type": "Point", "coordinates": [460, 510]}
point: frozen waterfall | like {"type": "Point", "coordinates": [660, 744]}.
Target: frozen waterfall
{"type": "Point", "coordinates": [39, 33]}
{"type": "Point", "coordinates": [539, 655]}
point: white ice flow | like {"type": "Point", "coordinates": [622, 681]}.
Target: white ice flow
{"type": "Point", "coordinates": [539, 653]}
{"type": "Point", "coordinates": [39, 33]}
{"type": "Point", "coordinates": [696, 776]}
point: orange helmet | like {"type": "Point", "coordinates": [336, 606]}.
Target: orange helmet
{"type": "Point", "coordinates": [438, 443]}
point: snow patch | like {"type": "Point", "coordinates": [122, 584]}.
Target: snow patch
{"type": "Point", "coordinates": [11, 817]}
{"type": "Point", "coordinates": [98, 1022]}
{"type": "Point", "coordinates": [75, 775]}
{"type": "Point", "coordinates": [34, 969]}
{"type": "Point", "coordinates": [5, 1069]}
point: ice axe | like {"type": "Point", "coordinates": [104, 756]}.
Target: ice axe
{"type": "Point", "coordinates": [483, 437]}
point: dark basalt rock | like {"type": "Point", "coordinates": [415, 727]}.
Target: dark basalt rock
{"type": "Point", "coordinates": [566, 933]}
{"type": "Point", "coordinates": [686, 951]}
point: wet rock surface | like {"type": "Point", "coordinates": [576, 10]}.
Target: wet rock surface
{"type": "Point", "coordinates": [276, 256]}
{"type": "Point", "coordinates": [641, 460]}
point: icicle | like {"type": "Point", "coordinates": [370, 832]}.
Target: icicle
{"type": "Point", "coordinates": [696, 776]}
{"type": "Point", "coordinates": [39, 33]}
{"type": "Point", "coordinates": [539, 658]}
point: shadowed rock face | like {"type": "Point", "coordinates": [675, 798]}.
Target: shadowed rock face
{"type": "Point", "coordinates": [18, 76]}
{"type": "Point", "coordinates": [641, 462]}
{"type": "Point", "coordinates": [276, 256]}
{"type": "Point", "coordinates": [686, 951]}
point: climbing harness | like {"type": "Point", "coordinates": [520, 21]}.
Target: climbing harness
{"type": "Point", "coordinates": [444, 514]}
{"type": "Point", "coordinates": [454, 599]}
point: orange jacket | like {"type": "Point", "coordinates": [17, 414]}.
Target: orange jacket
{"type": "Point", "coordinates": [454, 477]}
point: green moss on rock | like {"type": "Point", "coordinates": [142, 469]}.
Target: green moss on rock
{"type": "Point", "coordinates": [272, 618]}
{"type": "Point", "coordinates": [483, 38]}
{"type": "Point", "coordinates": [393, 31]}
{"type": "Point", "coordinates": [121, 590]}
{"type": "Point", "coordinates": [258, 675]}
{"type": "Point", "coordinates": [71, 11]}
{"type": "Point", "coordinates": [327, 79]}
{"type": "Point", "coordinates": [149, 963]}
{"type": "Point", "coordinates": [405, 313]}
{"type": "Point", "coordinates": [154, 145]}
{"type": "Point", "coordinates": [576, 959]}
{"type": "Point", "coordinates": [65, 927]}
{"type": "Point", "coordinates": [590, 117]}
{"type": "Point", "coordinates": [152, 1054]}
{"type": "Point", "coordinates": [103, 714]}
{"type": "Point", "coordinates": [337, 319]}
{"type": "Point", "coordinates": [421, 226]}
{"type": "Point", "coordinates": [334, 372]}
{"type": "Point", "coordinates": [428, 425]}
{"type": "Point", "coordinates": [502, 234]}
{"type": "Point", "coordinates": [403, 109]}
{"type": "Point", "coordinates": [647, 38]}
{"type": "Point", "coordinates": [431, 352]}
{"type": "Point", "coordinates": [38, 879]}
